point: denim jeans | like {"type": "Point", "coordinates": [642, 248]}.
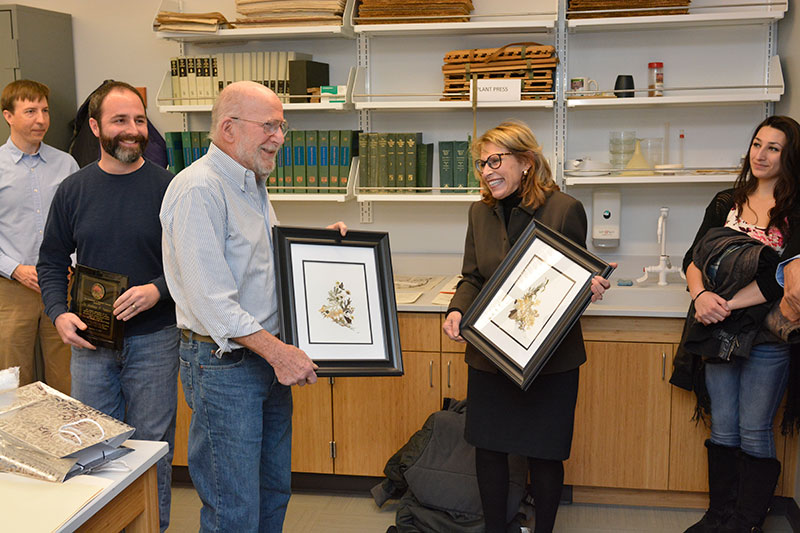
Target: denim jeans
{"type": "Point", "coordinates": [239, 440]}
{"type": "Point", "coordinates": [138, 385]}
{"type": "Point", "coordinates": [745, 395]}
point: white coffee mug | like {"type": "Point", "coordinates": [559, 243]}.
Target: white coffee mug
{"type": "Point", "coordinates": [582, 84]}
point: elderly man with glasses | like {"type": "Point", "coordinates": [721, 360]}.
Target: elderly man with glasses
{"type": "Point", "coordinates": [236, 373]}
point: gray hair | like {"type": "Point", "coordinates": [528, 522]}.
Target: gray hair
{"type": "Point", "coordinates": [228, 104]}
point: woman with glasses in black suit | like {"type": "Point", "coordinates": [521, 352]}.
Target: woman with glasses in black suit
{"type": "Point", "coordinates": [517, 187]}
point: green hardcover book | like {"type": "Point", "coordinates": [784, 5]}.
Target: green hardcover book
{"type": "Point", "coordinates": [363, 158]}
{"type": "Point", "coordinates": [412, 141]}
{"type": "Point", "coordinates": [391, 161]}
{"type": "Point", "coordinates": [174, 151]}
{"type": "Point", "coordinates": [196, 148]}
{"type": "Point", "coordinates": [372, 179]}
{"type": "Point", "coordinates": [424, 165]}
{"type": "Point", "coordinates": [446, 166]}
{"type": "Point", "coordinates": [348, 149]}
{"type": "Point", "coordinates": [382, 171]}
{"type": "Point", "coordinates": [400, 160]}
{"type": "Point", "coordinates": [186, 143]}
{"type": "Point", "coordinates": [285, 180]}
{"type": "Point", "coordinates": [312, 161]}
{"type": "Point", "coordinates": [272, 181]}
{"type": "Point", "coordinates": [299, 162]}
{"type": "Point", "coordinates": [205, 142]}
{"type": "Point", "coordinates": [460, 165]}
{"type": "Point", "coordinates": [333, 161]}
{"type": "Point", "coordinates": [323, 160]}
{"type": "Point", "coordinates": [473, 179]}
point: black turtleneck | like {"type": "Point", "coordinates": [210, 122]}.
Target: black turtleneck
{"type": "Point", "coordinates": [510, 202]}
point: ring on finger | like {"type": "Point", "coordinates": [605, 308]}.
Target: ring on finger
{"type": "Point", "coordinates": [133, 306]}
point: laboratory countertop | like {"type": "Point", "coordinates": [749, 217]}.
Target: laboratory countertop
{"type": "Point", "coordinates": [646, 299]}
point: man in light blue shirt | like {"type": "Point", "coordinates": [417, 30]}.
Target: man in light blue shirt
{"type": "Point", "coordinates": [218, 262]}
{"type": "Point", "coordinates": [30, 172]}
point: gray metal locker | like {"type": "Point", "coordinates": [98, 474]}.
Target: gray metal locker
{"type": "Point", "coordinates": [36, 44]}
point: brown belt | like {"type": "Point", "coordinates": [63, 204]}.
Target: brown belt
{"type": "Point", "coordinates": [189, 335]}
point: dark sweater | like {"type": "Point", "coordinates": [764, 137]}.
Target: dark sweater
{"type": "Point", "coordinates": [112, 221]}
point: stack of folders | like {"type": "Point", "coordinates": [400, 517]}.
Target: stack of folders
{"type": "Point", "coordinates": [456, 173]}
{"type": "Point", "coordinates": [198, 80]}
{"type": "Point", "coordinates": [394, 163]}
{"type": "Point", "coordinates": [184, 148]}
{"type": "Point", "coordinates": [314, 162]}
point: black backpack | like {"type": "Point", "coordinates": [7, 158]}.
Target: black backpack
{"type": "Point", "coordinates": [433, 474]}
{"type": "Point", "coordinates": [85, 147]}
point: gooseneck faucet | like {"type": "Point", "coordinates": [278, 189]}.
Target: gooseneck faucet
{"type": "Point", "coordinates": [664, 265]}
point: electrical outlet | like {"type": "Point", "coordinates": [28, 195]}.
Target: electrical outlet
{"type": "Point", "coordinates": [365, 209]}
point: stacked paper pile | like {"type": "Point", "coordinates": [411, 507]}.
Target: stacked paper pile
{"type": "Point", "coordinates": [531, 63]}
{"type": "Point", "coordinates": [189, 22]}
{"type": "Point", "coordinates": [625, 8]}
{"type": "Point", "coordinates": [413, 11]}
{"type": "Point", "coordinates": [289, 12]}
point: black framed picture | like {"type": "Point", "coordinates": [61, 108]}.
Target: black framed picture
{"type": "Point", "coordinates": [336, 300]}
{"type": "Point", "coordinates": [531, 302]}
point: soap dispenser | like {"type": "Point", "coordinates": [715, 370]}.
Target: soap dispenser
{"type": "Point", "coordinates": [605, 218]}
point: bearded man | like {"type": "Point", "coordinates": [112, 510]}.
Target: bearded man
{"type": "Point", "coordinates": [107, 213]}
{"type": "Point", "coordinates": [219, 263]}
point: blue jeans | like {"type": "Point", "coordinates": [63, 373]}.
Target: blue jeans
{"type": "Point", "coordinates": [138, 385]}
{"type": "Point", "coordinates": [745, 395]}
{"type": "Point", "coordinates": [240, 438]}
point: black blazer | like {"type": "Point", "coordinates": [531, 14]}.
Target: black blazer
{"type": "Point", "coordinates": [487, 243]}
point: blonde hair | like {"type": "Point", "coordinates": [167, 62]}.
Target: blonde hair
{"type": "Point", "coordinates": [517, 138]}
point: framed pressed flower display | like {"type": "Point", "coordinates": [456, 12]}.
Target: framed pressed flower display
{"type": "Point", "coordinates": [531, 302]}
{"type": "Point", "coordinates": [336, 300]}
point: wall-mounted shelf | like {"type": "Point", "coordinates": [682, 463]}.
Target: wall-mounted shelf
{"type": "Point", "coordinates": [166, 105]}
{"type": "Point", "coordinates": [538, 25]}
{"type": "Point", "coordinates": [312, 197]}
{"type": "Point", "coordinates": [716, 17]}
{"type": "Point", "coordinates": [665, 179]}
{"type": "Point", "coordinates": [422, 197]}
{"type": "Point", "coordinates": [269, 33]}
{"type": "Point", "coordinates": [422, 105]}
{"type": "Point", "coordinates": [719, 95]}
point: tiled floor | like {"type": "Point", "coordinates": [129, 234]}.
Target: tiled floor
{"type": "Point", "coordinates": [337, 513]}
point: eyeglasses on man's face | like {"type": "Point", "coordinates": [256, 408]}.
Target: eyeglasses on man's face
{"type": "Point", "coordinates": [271, 127]}
{"type": "Point", "coordinates": [494, 161]}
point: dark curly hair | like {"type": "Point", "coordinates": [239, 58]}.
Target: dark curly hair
{"type": "Point", "coordinates": [787, 203]}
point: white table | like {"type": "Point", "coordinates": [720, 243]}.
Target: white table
{"type": "Point", "coordinates": [131, 501]}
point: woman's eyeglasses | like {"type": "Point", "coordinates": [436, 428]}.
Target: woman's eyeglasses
{"type": "Point", "coordinates": [494, 161]}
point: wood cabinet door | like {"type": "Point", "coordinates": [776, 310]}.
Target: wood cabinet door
{"type": "Point", "coordinates": [622, 419]}
{"type": "Point", "coordinates": [454, 376]}
{"type": "Point", "coordinates": [420, 332]}
{"type": "Point", "coordinates": [312, 428]}
{"type": "Point", "coordinates": [688, 455]}
{"type": "Point", "coordinates": [374, 417]}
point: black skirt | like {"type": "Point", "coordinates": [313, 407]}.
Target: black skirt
{"type": "Point", "coordinates": [533, 423]}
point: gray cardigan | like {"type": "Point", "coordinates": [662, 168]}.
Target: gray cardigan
{"type": "Point", "coordinates": [487, 243]}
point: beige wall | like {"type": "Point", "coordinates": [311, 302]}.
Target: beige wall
{"type": "Point", "coordinates": [112, 40]}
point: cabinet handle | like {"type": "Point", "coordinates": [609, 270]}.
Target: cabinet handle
{"type": "Point", "coordinates": [448, 374]}
{"type": "Point", "coordinates": [663, 365]}
{"type": "Point", "coordinates": [430, 374]}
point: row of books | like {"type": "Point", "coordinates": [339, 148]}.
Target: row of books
{"type": "Point", "coordinates": [314, 161]}
{"type": "Point", "coordinates": [185, 147]}
{"type": "Point", "coordinates": [455, 167]}
{"type": "Point", "coordinates": [197, 80]}
{"type": "Point", "coordinates": [394, 162]}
